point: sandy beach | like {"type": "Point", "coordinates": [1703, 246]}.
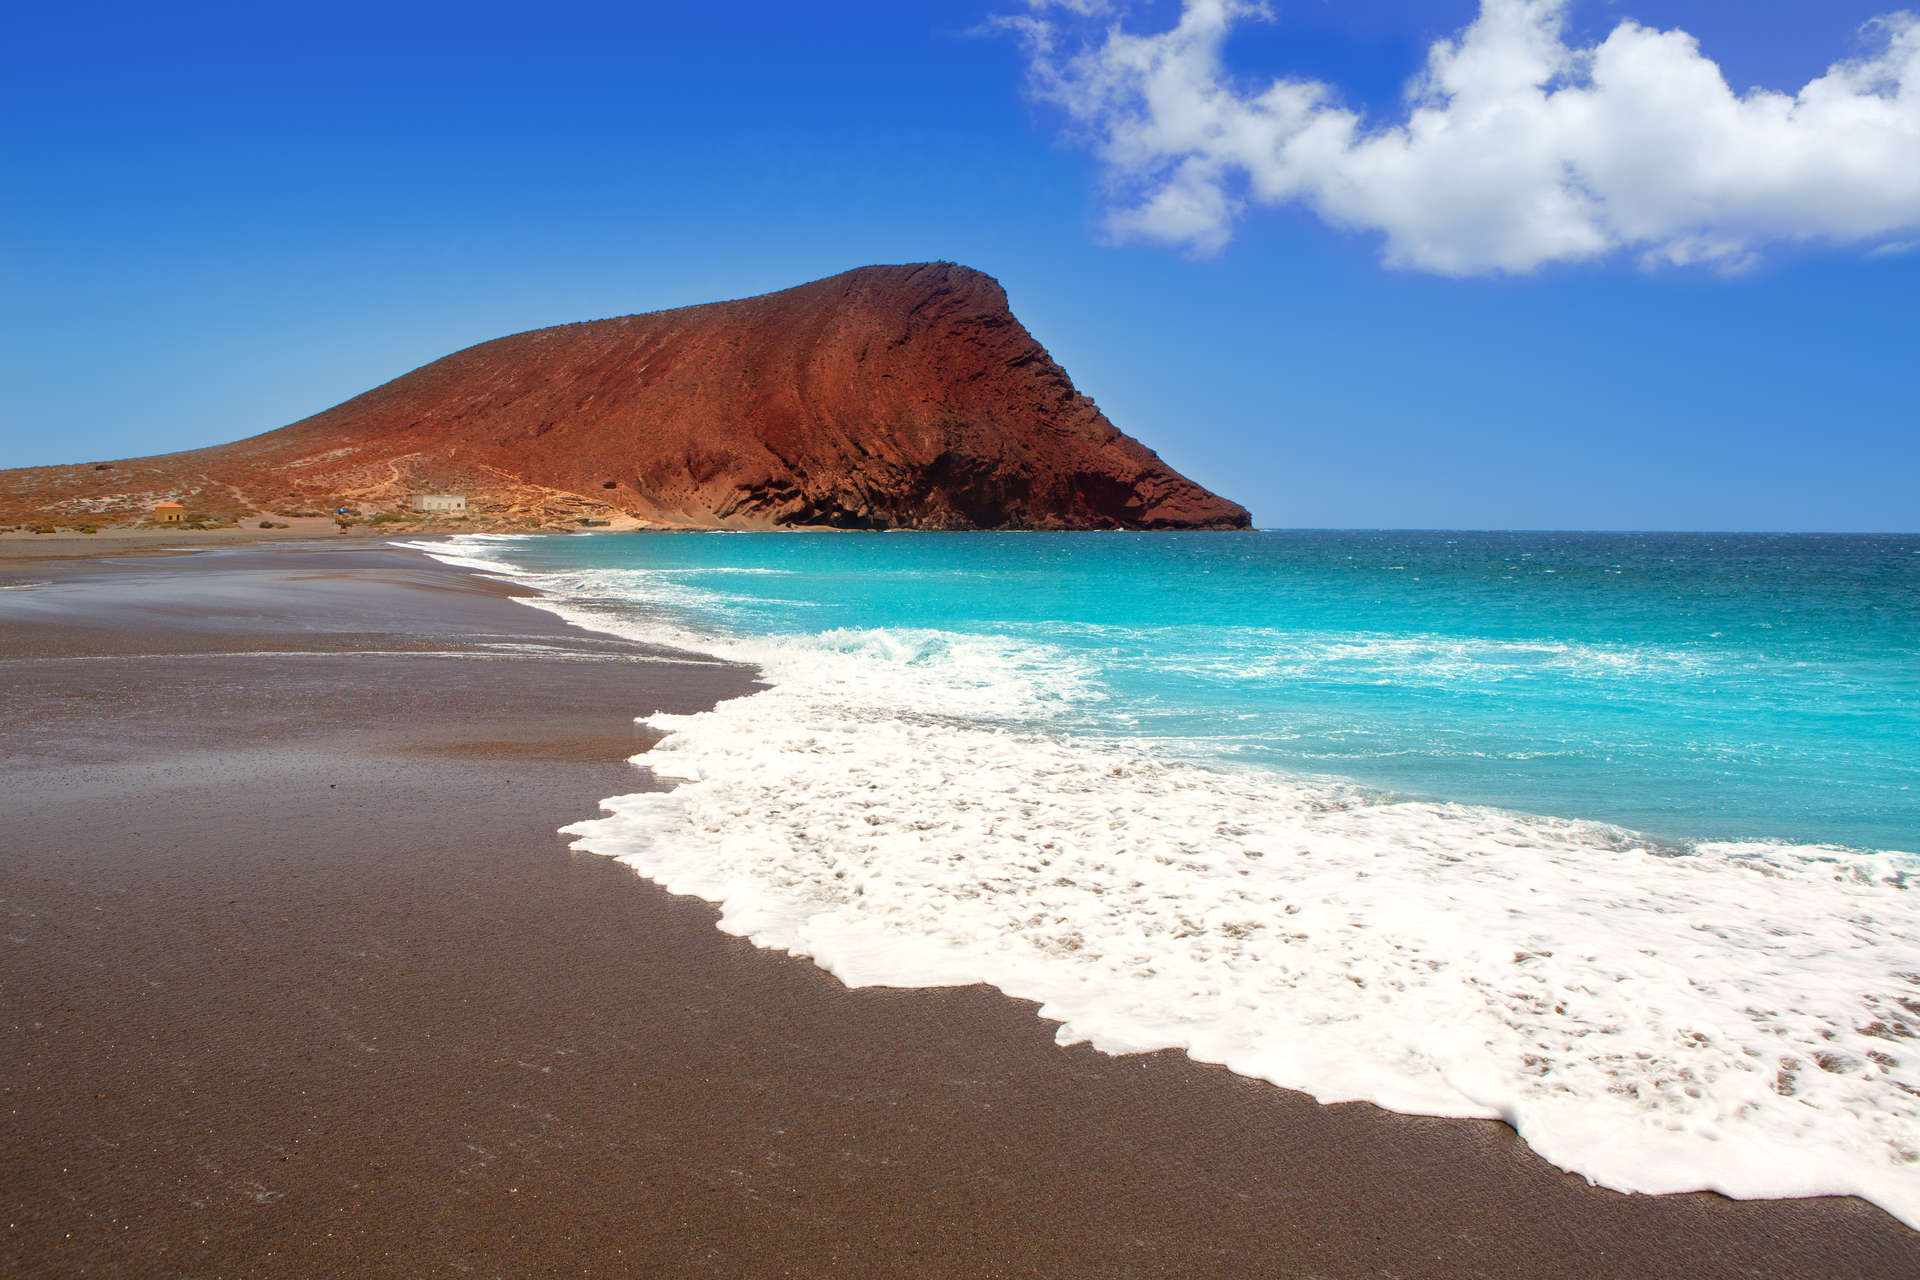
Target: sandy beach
{"type": "Point", "coordinates": [146, 540]}
{"type": "Point", "coordinates": [301, 981]}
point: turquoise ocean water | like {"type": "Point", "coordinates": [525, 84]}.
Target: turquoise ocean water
{"type": "Point", "coordinates": [1606, 835]}
{"type": "Point", "coordinates": [1692, 686]}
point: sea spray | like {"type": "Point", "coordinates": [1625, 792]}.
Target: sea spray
{"type": "Point", "coordinates": [912, 806]}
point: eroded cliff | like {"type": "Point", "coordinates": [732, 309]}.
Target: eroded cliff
{"type": "Point", "coordinates": [885, 397]}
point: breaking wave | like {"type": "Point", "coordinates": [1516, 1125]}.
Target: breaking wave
{"type": "Point", "coordinates": [916, 807]}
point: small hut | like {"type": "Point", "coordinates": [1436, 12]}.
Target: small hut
{"type": "Point", "coordinates": [168, 513]}
{"type": "Point", "coordinates": [453, 502]}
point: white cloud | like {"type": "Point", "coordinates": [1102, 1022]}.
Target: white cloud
{"type": "Point", "coordinates": [1514, 150]}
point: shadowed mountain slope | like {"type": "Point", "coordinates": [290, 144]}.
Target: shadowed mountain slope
{"type": "Point", "coordinates": [886, 397]}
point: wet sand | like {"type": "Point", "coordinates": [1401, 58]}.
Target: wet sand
{"type": "Point", "coordinates": [130, 540]}
{"type": "Point", "coordinates": [299, 981]}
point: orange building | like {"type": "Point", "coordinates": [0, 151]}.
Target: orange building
{"type": "Point", "coordinates": [168, 513]}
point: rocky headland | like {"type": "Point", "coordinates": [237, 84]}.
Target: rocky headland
{"type": "Point", "coordinates": [889, 397]}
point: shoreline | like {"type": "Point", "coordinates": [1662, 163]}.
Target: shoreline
{"type": "Point", "coordinates": [406, 1029]}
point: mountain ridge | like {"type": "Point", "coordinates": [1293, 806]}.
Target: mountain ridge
{"type": "Point", "coordinates": [884, 397]}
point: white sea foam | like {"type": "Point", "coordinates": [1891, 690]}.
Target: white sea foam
{"type": "Point", "coordinates": [1736, 1017]}
{"type": "Point", "coordinates": [1262, 656]}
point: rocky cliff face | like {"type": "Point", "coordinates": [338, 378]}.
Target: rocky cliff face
{"type": "Point", "coordinates": [887, 397]}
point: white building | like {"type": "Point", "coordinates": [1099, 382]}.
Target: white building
{"type": "Point", "coordinates": [456, 502]}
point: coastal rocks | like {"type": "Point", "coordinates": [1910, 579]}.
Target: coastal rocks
{"type": "Point", "coordinates": [882, 398]}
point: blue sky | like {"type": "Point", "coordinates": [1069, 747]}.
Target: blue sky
{"type": "Point", "coordinates": [219, 219]}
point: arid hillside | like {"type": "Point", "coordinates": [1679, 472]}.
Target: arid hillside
{"type": "Point", "coordinates": [886, 397]}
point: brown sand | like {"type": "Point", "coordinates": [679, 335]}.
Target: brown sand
{"type": "Point", "coordinates": [299, 981]}
{"type": "Point", "coordinates": [127, 540]}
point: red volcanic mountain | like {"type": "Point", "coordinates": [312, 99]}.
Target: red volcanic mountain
{"type": "Point", "coordinates": [887, 397]}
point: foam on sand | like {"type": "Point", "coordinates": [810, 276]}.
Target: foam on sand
{"type": "Point", "coordinates": [1734, 1017]}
